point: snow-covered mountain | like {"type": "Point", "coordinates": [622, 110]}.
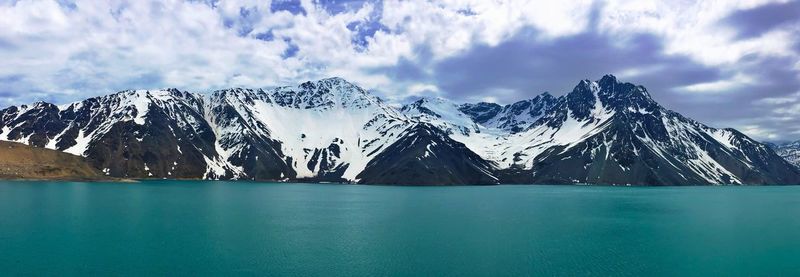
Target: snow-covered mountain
{"type": "Point", "coordinates": [139, 133]}
{"type": "Point", "coordinates": [789, 151]}
{"type": "Point", "coordinates": [331, 130]}
{"type": "Point", "coordinates": [324, 130]}
{"type": "Point", "coordinates": [608, 132]}
{"type": "Point", "coordinates": [513, 118]}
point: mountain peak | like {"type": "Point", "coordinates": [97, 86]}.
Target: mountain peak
{"type": "Point", "coordinates": [41, 104]}
{"type": "Point", "coordinates": [433, 99]}
{"type": "Point", "coordinates": [324, 93]}
{"type": "Point", "coordinates": [428, 105]}
{"type": "Point", "coordinates": [544, 96]}
{"type": "Point", "coordinates": [611, 88]}
{"type": "Point", "coordinates": [327, 82]}
{"type": "Point", "coordinates": [334, 79]}
{"type": "Point", "coordinates": [608, 79]}
{"type": "Point", "coordinates": [585, 86]}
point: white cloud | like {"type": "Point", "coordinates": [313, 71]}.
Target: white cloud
{"type": "Point", "coordinates": [720, 86]}
{"type": "Point", "coordinates": [421, 89]}
{"type": "Point", "coordinates": [692, 28]}
{"type": "Point", "coordinates": [102, 46]}
{"type": "Point", "coordinates": [758, 132]}
{"type": "Point", "coordinates": [792, 98]}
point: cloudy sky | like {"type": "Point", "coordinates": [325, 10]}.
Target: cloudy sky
{"type": "Point", "coordinates": [725, 63]}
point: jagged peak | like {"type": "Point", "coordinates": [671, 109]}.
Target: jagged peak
{"type": "Point", "coordinates": [611, 83]}
{"type": "Point", "coordinates": [585, 87]}
{"type": "Point", "coordinates": [41, 104]}
{"type": "Point", "coordinates": [149, 92]}
{"type": "Point", "coordinates": [328, 92]}
{"type": "Point", "coordinates": [432, 104]}
{"type": "Point", "coordinates": [438, 107]}
{"type": "Point", "coordinates": [171, 90]}
{"type": "Point", "coordinates": [481, 104]}
{"type": "Point", "coordinates": [138, 100]}
{"type": "Point", "coordinates": [237, 92]}
{"type": "Point", "coordinates": [544, 96]}
{"type": "Point", "coordinates": [24, 108]}
{"type": "Point", "coordinates": [585, 82]}
{"type": "Point", "coordinates": [234, 90]}
{"type": "Point", "coordinates": [433, 99]}
{"type": "Point", "coordinates": [420, 102]}
{"type": "Point", "coordinates": [608, 78]}
{"type": "Point", "coordinates": [334, 85]}
{"type": "Point", "coordinates": [329, 82]}
{"type": "Point", "coordinates": [610, 89]}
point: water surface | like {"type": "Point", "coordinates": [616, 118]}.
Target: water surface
{"type": "Point", "coordinates": [214, 228]}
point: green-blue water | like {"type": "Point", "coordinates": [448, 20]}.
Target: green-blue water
{"type": "Point", "coordinates": [218, 228]}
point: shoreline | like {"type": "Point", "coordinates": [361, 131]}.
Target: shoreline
{"type": "Point", "coordinates": [140, 180]}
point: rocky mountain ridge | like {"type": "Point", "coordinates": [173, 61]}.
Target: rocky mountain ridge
{"type": "Point", "coordinates": [602, 132]}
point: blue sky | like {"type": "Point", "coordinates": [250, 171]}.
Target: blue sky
{"type": "Point", "coordinates": [725, 63]}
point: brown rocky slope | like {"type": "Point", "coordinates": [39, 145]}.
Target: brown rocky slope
{"type": "Point", "coordinates": [20, 161]}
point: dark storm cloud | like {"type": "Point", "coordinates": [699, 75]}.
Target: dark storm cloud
{"type": "Point", "coordinates": [756, 21]}
{"type": "Point", "coordinates": [405, 70]}
{"type": "Point", "coordinates": [529, 66]}
{"type": "Point", "coordinates": [410, 69]}
{"type": "Point", "coordinates": [771, 78]}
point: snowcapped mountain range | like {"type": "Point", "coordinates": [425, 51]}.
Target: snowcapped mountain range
{"type": "Point", "coordinates": [789, 151]}
{"type": "Point", "coordinates": [604, 132]}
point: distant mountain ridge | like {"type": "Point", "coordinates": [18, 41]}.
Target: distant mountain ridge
{"type": "Point", "coordinates": [603, 132]}
{"type": "Point", "coordinates": [789, 151]}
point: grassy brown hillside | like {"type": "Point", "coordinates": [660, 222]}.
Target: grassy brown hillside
{"type": "Point", "coordinates": [19, 161]}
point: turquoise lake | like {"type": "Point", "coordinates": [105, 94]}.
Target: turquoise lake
{"type": "Point", "coordinates": [179, 228]}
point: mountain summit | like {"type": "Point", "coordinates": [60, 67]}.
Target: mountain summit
{"type": "Point", "coordinates": [602, 132]}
